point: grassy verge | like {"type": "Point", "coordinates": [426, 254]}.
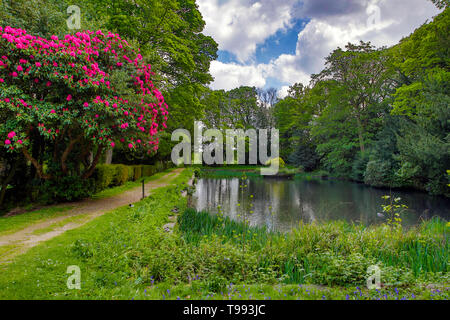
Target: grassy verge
{"type": "Point", "coordinates": [131, 185]}
{"type": "Point", "coordinates": [255, 171]}
{"type": "Point", "coordinates": [15, 223]}
{"type": "Point", "coordinates": [75, 219]}
{"type": "Point", "coordinates": [126, 254]}
{"type": "Point", "coordinates": [229, 171]}
{"type": "Point", "coordinates": [332, 253]}
{"type": "Point", "coordinates": [12, 224]}
{"type": "Point", "coordinates": [111, 251]}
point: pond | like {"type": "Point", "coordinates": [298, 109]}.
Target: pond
{"type": "Point", "coordinates": [282, 204]}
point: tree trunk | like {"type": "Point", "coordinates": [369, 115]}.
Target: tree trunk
{"type": "Point", "coordinates": [66, 155]}
{"type": "Point", "coordinates": [36, 164]}
{"type": "Point", "coordinates": [109, 156]}
{"type": "Point", "coordinates": [91, 157]}
{"type": "Point", "coordinates": [91, 169]}
{"type": "Point", "coordinates": [360, 134]}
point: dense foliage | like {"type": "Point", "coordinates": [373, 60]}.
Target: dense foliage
{"type": "Point", "coordinates": [373, 115]}
{"type": "Point", "coordinates": [84, 92]}
{"type": "Point", "coordinates": [93, 92]}
{"type": "Point", "coordinates": [378, 115]}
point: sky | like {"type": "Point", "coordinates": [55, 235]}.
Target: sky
{"type": "Point", "coordinates": [276, 43]}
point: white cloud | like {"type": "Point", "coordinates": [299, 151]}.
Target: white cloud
{"type": "Point", "coordinates": [229, 75]}
{"type": "Point", "coordinates": [285, 68]}
{"type": "Point", "coordinates": [283, 92]}
{"type": "Point", "coordinates": [239, 26]}
{"type": "Point", "coordinates": [383, 22]}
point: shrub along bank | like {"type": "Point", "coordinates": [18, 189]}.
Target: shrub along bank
{"type": "Point", "coordinates": [105, 176]}
{"type": "Point", "coordinates": [113, 175]}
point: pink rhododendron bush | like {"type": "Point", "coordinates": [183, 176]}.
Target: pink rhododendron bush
{"type": "Point", "coordinates": [63, 102]}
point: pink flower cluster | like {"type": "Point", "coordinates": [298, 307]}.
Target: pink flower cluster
{"type": "Point", "coordinates": [84, 50]}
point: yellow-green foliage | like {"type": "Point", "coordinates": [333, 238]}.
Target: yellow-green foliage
{"type": "Point", "coordinates": [112, 175]}
{"type": "Point", "coordinates": [149, 170]}
{"type": "Point", "coordinates": [280, 161]}
{"type": "Point", "coordinates": [137, 172]}
{"type": "Point", "coordinates": [130, 173]}
{"type": "Point", "coordinates": [121, 175]}
{"type": "Point", "coordinates": [104, 176]}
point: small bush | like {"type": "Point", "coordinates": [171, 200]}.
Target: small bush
{"type": "Point", "coordinates": [104, 176]}
{"type": "Point", "coordinates": [148, 170]}
{"type": "Point", "coordinates": [66, 189]}
{"type": "Point", "coordinates": [130, 173]}
{"type": "Point", "coordinates": [280, 161]}
{"type": "Point", "coordinates": [137, 173]}
{"type": "Point", "coordinates": [121, 175]}
{"type": "Point", "coordinates": [377, 174]}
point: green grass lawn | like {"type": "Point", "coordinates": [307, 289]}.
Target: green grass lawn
{"type": "Point", "coordinates": [132, 184]}
{"type": "Point", "coordinates": [41, 272]}
{"type": "Point", "coordinates": [125, 254]}
{"type": "Point", "coordinates": [78, 219]}
{"type": "Point", "coordinates": [15, 223]}
{"type": "Point", "coordinates": [12, 224]}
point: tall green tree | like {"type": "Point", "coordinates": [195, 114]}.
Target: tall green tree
{"type": "Point", "coordinates": [422, 61]}
{"type": "Point", "coordinates": [293, 116]}
{"type": "Point", "coordinates": [363, 74]}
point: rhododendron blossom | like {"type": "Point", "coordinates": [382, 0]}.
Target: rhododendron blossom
{"type": "Point", "coordinates": [65, 91]}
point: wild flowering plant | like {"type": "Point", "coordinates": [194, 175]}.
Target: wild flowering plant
{"type": "Point", "coordinates": [72, 96]}
{"type": "Point", "coordinates": [393, 211]}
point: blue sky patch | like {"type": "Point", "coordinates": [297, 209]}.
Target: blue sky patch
{"type": "Point", "coordinates": [282, 42]}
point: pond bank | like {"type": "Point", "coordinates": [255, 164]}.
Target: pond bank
{"type": "Point", "coordinates": [126, 254]}
{"type": "Point", "coordinates": [281, 204]}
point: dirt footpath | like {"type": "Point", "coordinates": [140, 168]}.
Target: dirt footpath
{"type": "Point", "coordinates": [86, 210]}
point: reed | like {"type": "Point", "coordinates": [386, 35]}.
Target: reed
{"type": "Point", "coordinates": [331, 252]}
{"type": "Point", "coordinates": [195, 226]}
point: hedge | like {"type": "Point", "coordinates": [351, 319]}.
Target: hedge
{"type": "Point", "coordinates": [137, 173]}
{"type": "Point", "coordinates": [121, 175]}
{"type": "Point", "coordinates": [149, 170]}
{"type": "Point", "coordinates": [104, 176]}
{"type": "Point", "coordinates": [112, 175]}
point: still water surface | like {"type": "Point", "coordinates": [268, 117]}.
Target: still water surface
{"type": "Point", "coordinates": [282, 204]}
